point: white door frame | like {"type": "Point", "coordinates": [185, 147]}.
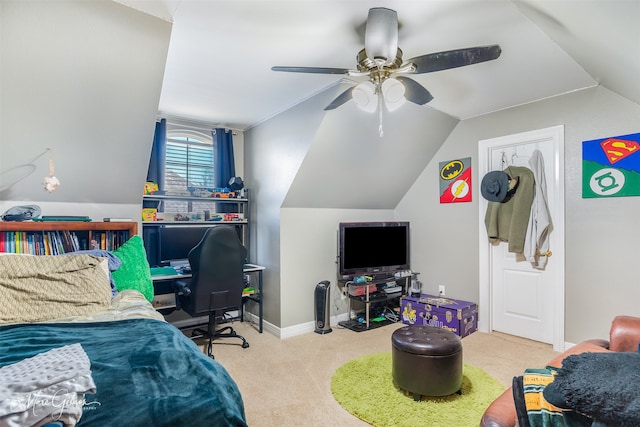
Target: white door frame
{"type": "Point", "coordinates": [485, 287]}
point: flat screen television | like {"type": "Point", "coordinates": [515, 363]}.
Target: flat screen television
{"type": "Point", "coordinates": [372, 248]}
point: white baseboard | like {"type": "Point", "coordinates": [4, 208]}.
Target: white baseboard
{"type": "Point", "coordinates": [292, 331]}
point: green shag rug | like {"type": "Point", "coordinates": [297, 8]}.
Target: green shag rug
{"type": "Point", "coordinates": [365, 388]}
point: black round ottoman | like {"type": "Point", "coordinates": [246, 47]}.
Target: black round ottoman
{"type": "Point", "coordinates": [426, 361]}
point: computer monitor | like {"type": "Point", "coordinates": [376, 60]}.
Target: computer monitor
{"type": "Point", "coordinates": [176, 242]}
{"type": "Point", "coordinates": [171, 244]}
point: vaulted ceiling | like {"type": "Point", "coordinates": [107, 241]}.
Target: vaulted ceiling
{"type": "Point", "coordinates": [78, 65]}
{"type": "Point", "coordinates": [221, 52]}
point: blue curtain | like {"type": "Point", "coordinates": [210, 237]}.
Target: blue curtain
{"type": "Point", "coordinates": [158, 155]}
{"type": "Point", "coordinates": [224, 165]}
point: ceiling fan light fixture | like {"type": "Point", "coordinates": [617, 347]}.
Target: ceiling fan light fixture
{"type": "Point", "coordinates": [364, 94]}
{"type": "Point", "coordinates": [381, 63]}
{"type": "Point", "coordinates": [381, 35]}
{"type": "Point", "coordinates": [393, 94]}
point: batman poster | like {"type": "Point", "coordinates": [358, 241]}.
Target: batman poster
{"type": "Point", "coordinates": [455, 181]}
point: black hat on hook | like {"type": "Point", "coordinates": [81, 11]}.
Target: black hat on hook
{"type": "Point", "coordinates": [495, 186]}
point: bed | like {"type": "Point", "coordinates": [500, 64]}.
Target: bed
{"type": "Point", "coordinates": [72, 353]}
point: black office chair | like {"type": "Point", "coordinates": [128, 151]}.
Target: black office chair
{"type": "Point", "coordinates": [216, 284]}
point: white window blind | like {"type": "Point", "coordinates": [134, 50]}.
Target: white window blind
{"type": "Point", "coordinates": [189, 163]}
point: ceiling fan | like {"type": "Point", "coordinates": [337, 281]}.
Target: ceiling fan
{"type": "Point", "coordinates": [381, 62]}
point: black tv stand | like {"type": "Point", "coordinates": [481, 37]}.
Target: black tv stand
{"type": "Point", "coordinates": [356, 326]}
{"type": "Point", "coordinates": [371, 296]}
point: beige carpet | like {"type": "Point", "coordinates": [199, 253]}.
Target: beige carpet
{"type": "Point", "coordinates": [286, 382]}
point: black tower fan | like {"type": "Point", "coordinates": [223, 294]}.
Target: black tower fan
{"type": "Point", "coordinates": [321, 304]}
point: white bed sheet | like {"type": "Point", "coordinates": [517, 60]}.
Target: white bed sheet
{"type": "Point", "coordinates": [128, 304]}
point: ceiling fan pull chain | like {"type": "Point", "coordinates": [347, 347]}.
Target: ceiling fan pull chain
{"type": "Point", "coordinates": [380, 131]}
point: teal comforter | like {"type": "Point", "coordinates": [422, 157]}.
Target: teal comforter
{"type": "Point", "coordinates": [147, 373]}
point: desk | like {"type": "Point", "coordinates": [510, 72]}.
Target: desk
{"type": "Point", "coordinates": [249, 269]}
{"type": "Point", "coordinates": [166, 300]}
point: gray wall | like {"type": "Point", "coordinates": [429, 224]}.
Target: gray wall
{"type": "Point", "coordinates": [333, 167]}
{"type": "Point", "coordinates": [273, 153]}
{"type": "Point", "coordinates": [601, 235]}
{"type": "Point", "coordinates": [302, 241]}
{"type": "Point", "coordinates": [77, 80]}
{"type": "Point", "coordinates": [307, 170]}
{"type": "Point", "coordinates": [349, 165]}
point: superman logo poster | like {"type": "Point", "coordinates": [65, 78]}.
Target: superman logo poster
{"type": "Point", "coordinates": [611, 166]}
{"type": "Point", "coordinates": [455, 181]}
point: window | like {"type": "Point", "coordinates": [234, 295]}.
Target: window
{"type": "Point", "coordinates": [189, 163]}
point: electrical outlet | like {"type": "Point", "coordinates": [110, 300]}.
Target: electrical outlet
{"type": "Point", "coordinates": [441, 290]}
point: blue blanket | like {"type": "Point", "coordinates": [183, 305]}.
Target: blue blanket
{"type": "Point", "coordinates": [147, 373]}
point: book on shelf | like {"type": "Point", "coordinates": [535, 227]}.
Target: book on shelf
{"type": "Point", "coordinates": [56, 242]}
{"type": "Point", "coordinates": [114, 219]}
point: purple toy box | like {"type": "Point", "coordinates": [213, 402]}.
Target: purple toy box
{"type": "Point", "coordinates": [460, 317]}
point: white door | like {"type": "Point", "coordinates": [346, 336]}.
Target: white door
{"type": "Point", "coordinates": [518, 299]}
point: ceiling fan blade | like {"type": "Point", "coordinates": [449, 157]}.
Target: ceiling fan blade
{"type": "Point", "coordinates": [381, 34]}
{"type": "Point", "coordinates": [313, 70]}
{"type": "Point", "coordinates": [341, 99]}
{"type": "Point", "coordinates": [414, 91]}
{"type": "Point", "coordinates": [454, 58]}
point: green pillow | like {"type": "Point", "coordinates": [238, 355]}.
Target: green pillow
{"type": "Point", "coordinates": [134, 273]}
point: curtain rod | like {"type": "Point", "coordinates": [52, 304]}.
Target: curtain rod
{"type": "Point", "coordinates": [233, 132]}
{"type": "Point", "coordinates": [203, 126]}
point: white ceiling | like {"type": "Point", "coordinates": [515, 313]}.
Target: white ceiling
{"type": "Point", "coordinates": [221, 52]}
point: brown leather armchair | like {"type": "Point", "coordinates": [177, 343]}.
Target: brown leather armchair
{"type": "Point", "coordinates": [623, 336]}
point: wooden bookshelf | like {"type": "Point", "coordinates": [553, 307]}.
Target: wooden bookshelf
{"type": "Point", "coordinates": [73, 235]}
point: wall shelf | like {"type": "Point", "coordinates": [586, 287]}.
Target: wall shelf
{"type": "Point", "coordinates": [87, 235]}
{"type": "Point", "coordinates": [193, 208]}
